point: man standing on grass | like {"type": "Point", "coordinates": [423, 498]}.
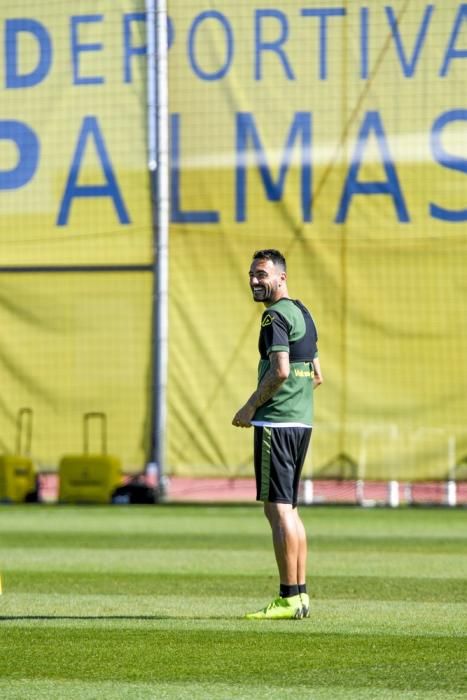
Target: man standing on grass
{"type": "Point", "coordinates": [281, 411]}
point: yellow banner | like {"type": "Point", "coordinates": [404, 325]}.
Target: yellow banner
{"type": "Point", "coordinates": [73, 180]}
{"type": "Point", "coordinates": [75, 193]}
{"type": "Point", "coordinates": [74, 343]}
{"type": "Point", "coordinates": [336, 132]}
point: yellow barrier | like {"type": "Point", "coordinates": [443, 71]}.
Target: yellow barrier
{"type": "Point", "coordinates": [17, 472]}
{"type": "Point", "coordinates": [89, 478]}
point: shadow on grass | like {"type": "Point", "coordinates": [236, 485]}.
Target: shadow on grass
{"type": "Point", "coordinates": [153, 618]}
{"type": "Point", "coordinates": [5, 618]}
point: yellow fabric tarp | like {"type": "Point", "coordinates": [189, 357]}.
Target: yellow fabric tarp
{"type": "Point", "coordinates": [336, 132]}
{"type": "Point", "coordinates": [74, 192]}
{"type": "Point", "coordinates": [76, 343]}
{"type": "Point", "coordinates": [355, 114]}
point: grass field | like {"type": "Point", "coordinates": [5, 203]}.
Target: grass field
{"type": "Point", "coordinates": [147, 602]}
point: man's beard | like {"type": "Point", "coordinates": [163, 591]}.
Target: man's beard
{"type": "Point", "coordinates": [261, 295]}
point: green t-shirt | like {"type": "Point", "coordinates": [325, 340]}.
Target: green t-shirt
{"type": "Point", "coordinates": [288, 326]}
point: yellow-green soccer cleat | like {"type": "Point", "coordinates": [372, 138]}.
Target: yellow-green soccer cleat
{"type": "Point", "coordinates": [280, 609]}
{"type": "Point", "coordinates": [305, 604]}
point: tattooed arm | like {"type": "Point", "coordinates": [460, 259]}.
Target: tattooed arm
{"type": "Point", "coordinates": [270, 383]}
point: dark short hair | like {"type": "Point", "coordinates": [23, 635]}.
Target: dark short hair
{"type": "Point", "coordinates": [271, 254]}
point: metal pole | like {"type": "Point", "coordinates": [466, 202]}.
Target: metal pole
{"type": "Point", "coordinates": [451, 486]}
{"type": "Point", "coordinates": [158, 164]}
{"type": "Point", "coordinates": [393, 493]}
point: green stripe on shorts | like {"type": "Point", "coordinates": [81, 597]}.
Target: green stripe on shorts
{"type": "Point", "coordinates": [265, 463]}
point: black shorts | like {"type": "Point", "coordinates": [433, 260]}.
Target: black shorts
{"type": "Point", "coordinates": [279, 456]}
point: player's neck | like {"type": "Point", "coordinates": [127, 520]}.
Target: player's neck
{"type": "Point", "coordinates": [280, 294]}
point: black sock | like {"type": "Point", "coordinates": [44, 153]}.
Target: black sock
{"type": "Point", "coordinates": [287, 591]}
{"type": "Point", "coordinates": [302, 587]}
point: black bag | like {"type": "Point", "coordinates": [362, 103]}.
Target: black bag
{"type": "Point", "coordinates": [135, 491]}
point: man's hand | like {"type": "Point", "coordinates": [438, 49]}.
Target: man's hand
{"type": "Point", "coordinates": [242, 419]}
{"type": "Point", "coordinates": [270, 383]}
{"type": "Point", "coordinates": [318, 377]}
